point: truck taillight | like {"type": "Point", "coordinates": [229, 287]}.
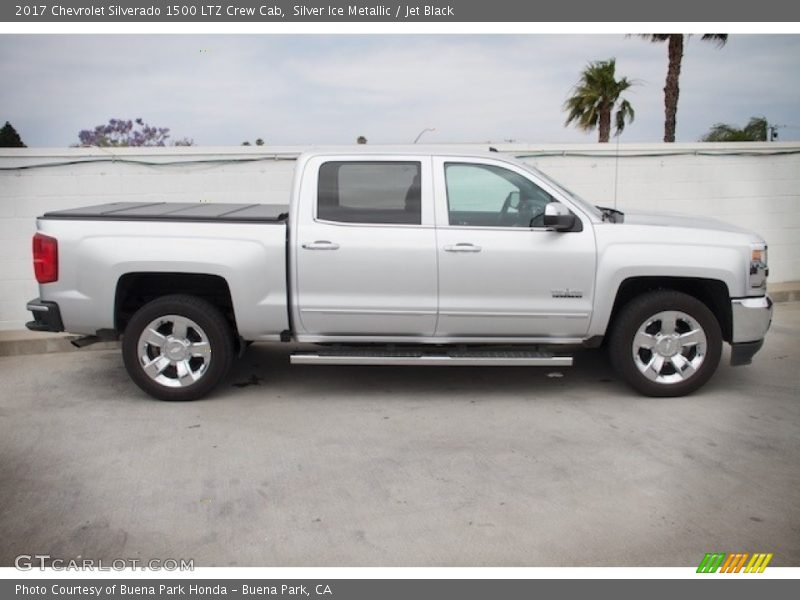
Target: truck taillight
{"type": "Point", "coordinates": [45, 258]}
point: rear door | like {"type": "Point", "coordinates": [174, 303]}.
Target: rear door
{"type": "Point", "coordinates": [365, 254]}
{"type": "Point", "coordinates": [501, 272]}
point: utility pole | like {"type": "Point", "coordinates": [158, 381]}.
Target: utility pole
{"type": "Point", "coordinates": [772, 132]}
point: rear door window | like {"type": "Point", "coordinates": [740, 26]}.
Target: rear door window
{"type": "Point", "coordinates": [370, 192]}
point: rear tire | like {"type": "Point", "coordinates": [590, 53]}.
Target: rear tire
{"type": "Point", "coordinates": [665, 343]}
{"type": "Point", "coordinates": [178, 347]}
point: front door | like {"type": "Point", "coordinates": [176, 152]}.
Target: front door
{"type": "Point", "coordinates": [501, 272]}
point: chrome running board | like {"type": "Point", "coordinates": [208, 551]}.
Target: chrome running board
{"type": "Point", "coordinates": [453, 358]}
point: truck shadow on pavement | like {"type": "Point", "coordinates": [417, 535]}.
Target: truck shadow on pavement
{"type": "Point", "coordinates": [268, 366]}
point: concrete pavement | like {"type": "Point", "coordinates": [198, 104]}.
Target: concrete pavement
{"type": "Point", "coordinates": [415, 466]}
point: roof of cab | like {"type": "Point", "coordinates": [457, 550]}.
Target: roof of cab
{"type": "Point", "coordinates": [405, 150]}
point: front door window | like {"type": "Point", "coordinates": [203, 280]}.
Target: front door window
{"type": "Point", "coordinates": [490, 196]}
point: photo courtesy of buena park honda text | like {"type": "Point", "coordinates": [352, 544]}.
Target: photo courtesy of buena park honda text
{"type": "Point", "coordinates": [369, 299]}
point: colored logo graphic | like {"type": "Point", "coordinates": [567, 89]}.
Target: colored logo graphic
{"type": "Point", "coordinates": [734, 562]}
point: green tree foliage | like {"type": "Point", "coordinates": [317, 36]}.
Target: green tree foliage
{"type": "Point", "coordinates": [595, 97]}
{"type": "Point", "coordinates": [754, 131]}
{"type": "Point", "coordinates": [9, 138]}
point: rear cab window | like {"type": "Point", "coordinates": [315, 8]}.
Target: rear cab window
{"type": "Point", "coordinates": [370, 192]}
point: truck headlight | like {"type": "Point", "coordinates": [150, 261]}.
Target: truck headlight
{"type": "Point", "coordinates": [758, 267]}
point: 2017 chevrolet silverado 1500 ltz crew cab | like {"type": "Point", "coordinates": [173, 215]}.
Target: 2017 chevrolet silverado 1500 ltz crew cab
{"type": "Point", "coordinates": [403, 258]}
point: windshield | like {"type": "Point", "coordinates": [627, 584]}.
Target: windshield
{"type": "Point", "coordinates": [584, 204]}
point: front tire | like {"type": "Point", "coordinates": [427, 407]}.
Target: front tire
{"type": "Point", "coordinates": [665, 343]}
{"type": "Point", "coordinates": [178, 347]}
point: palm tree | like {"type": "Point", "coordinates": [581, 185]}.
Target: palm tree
{"type": "Point", "coordinates": [671, 89]}
{"type": "Point", "coordinates": [594, 98]}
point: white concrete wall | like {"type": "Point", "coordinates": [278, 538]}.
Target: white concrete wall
{"type": "Point", "coordinates": [745, 184]}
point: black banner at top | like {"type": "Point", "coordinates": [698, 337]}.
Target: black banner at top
{"type": "Point", "coordinates": [332, 11]}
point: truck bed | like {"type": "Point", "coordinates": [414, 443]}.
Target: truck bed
{"type": "Point", "coordinates": [243, 245]}
{"type": "Point", "coordinates": [176, 211]}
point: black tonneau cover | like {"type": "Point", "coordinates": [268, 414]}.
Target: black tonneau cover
{"type": "Point", "coordinates": [176, 211]}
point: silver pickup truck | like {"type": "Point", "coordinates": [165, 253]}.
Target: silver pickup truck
{"type": "Point", "coordinates": [403, 258]}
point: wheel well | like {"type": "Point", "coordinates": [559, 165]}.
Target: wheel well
{"type": "Point", "coordinates": [711, 292]}
{"type": "Point", "coordinates": [134, 290]}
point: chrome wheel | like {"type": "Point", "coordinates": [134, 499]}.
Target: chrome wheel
{"type": "Point", "coordinates": [669, 347]}
{"type": "Point", "coordinates": [174, 351]}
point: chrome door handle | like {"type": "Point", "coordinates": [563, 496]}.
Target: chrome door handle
{"type": "Point", "coordinates": [462, 247]}
{"type": "Point", "coordinates": [321, 245]}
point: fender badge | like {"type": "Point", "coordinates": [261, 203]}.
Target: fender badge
{"type": "Point", "coordinates": [567, 293]}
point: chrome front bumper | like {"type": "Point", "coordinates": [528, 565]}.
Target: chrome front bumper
{"type": "Point", "coordinates": [751, 320]}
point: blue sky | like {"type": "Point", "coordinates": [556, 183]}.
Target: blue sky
{"type": "Point", "coordinates": [329, 89]}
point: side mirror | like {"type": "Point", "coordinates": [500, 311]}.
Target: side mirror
{"type": "Point", "coordinates": [558, 217]}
